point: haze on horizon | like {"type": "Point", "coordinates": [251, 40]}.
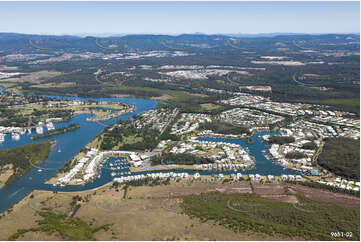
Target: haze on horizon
{"type": "Point", "coordinates": [94, 18]}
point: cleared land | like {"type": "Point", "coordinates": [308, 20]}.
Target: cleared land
{"type": "Point", "coordinates": [155, 212]}
{"type": "Point", "coordinates": [5, 173]}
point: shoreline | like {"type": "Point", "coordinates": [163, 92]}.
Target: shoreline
{"type": "Point", "coordinates": [52, 142]}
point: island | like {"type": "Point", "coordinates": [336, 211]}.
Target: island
{"type": "Point", "coordinates": [69, 128]}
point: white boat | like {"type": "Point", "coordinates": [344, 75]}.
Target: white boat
{"type": "Point", "coordinates": [23, 131]}
{"type": "Point", "coordinates": [29, 130]}
{"type": "Point", "coordinates": [2, 137]}
{"type": "Point", "coordinates": [50, 126]}
{"type": "Point", "coordinates": [59, 150]}
{"type": "Point", "coordinates": [40, 170]}
{"type": "Point", "coordinates": [15, 136]}
{"type": "Point", "coordinates": [39, 130]}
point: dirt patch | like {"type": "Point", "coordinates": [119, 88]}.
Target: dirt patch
{"type": "Point", "coordinates": [326, 196]}
{"type": "Point", "coordinates": [34, 77]}
{"type": "Point", "coordinates": [209, 106]}
{"type": "Point", "coordinates": [285, 63]}
{"type": "Point", "coordinates": [40, 236]}
{"type": "Point", "coordinates": [282, 198]}
{"type": "Point", "coordinates": [54, 85]}
{"type": "Point", "coordinates": [164, 97]}
{"type": "Point", "coordinates": [190, 187]}
{"type": "Point", "coordinates": [258, 88]}
{"type": "Point", "coordinates": [268, 189]}
{"type": "Point", "coordinates": [5, 173]}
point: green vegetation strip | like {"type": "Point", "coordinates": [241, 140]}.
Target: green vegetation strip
{"type": "Point", "coordinates": [70, 128]}
{"type": "Point", "coordinates": [22, 157]}
{"type": "Point", "coordinates": [275, 139]}
{"type": "Point", "coordinates": [306, 219]}
{"type": "Point", "coordinates": [179, 159]}
{"type": "Point", "coordinates": [221, 127]}
{"type": "Point", "coordinates": [72, 229]}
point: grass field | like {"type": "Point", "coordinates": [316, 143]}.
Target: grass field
{"type": "Point", "coordinates": [167, 95]}
{"type": "Point", "coordinates": [209, 106]}
{"type": "Point", "coordinates": [344, 101]}
{"type": "Point", "coordinates": [68, 228]}
{"type": "Point", "coordinates": [156, 212]}
{"type": "Point", "coordinates": [34, 77]}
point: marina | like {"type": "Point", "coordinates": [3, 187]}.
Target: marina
{"type": "Point", "coordinates": [72, 142]}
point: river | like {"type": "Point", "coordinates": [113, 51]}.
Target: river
{"type": "Point", "coordinates": [69, 144]}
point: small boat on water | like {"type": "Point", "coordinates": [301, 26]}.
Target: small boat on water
{"type": "Point", "coordinates": [39, 130]}
{"type": "Point", "coordinates": [59, 150]}
{"type": "Point", "coordinates": [15, 136]}
{"type": "Point", "coordinates": [2, 137]}
{"type": "Point", "coordinates": [50, 126]}
{"type": "Point", "coordinates": [23, 131]}
{"type": "Point", "coordinates": [29, 130]}
{"type": "Point", "coordinates": [40, 170]}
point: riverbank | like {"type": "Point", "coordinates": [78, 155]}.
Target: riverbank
{"type": "Point", "coordinates": [24, 158]}
{"type": "Point", "coordinates": [68, 145]}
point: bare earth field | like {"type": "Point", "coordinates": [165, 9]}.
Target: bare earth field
{"type": "Point", "coordinates": [34, 77]}
{"type": "Point", "coordinates": [325, 196]}
{"type": "Point", "coordinates": [150, 212]}
{"type": "Point", "coordinates": [5, 173]}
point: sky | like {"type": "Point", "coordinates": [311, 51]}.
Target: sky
{"type": "Point", "coordinates": [179, 17]}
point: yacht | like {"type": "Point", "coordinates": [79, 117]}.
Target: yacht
{"type": "Point", "coordinates": [23, 131]}
{"type": "Point", "coordinates": [59, 150]}
{"type": "Point", "coordinates": [29, 130]}
{"type": "Point", "coordinates": [50, 126]}
{"type": "Point", "coordinates": [15, 136]}
{"type": "Point", "coordinates": [40, 170]}
{"type": "Point", "coordinates": [2, 137]}
{"type": "Point", "coordinates": [39, 130]}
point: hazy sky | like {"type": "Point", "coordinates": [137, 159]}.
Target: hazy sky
{"type": "Point", "coordinates": [179, 17]}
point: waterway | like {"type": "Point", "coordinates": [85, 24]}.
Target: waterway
{"type": "Point", "coordinates": [69, 144]}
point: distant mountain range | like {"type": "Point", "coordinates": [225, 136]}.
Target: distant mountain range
{"type": "Point", "coordinates": [33, 43]}
{"type": "Point", "coordinates": [5, 35]}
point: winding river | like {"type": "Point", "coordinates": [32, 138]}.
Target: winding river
{"type": "Point", "coordinates": [69, 144]}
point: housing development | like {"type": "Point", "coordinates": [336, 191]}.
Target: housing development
{"type": "Point", "coordinates": [191, 137]}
